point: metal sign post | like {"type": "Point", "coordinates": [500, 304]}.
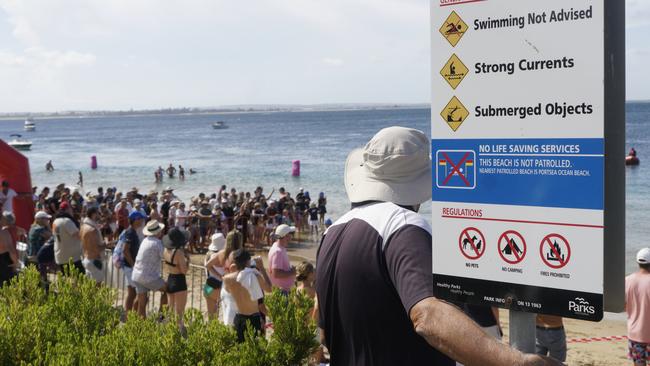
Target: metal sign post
{"type": "Point", "coordinates": [527, 121]}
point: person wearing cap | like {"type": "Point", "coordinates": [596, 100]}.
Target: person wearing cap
{"type": "Point", "coordinates": [131, 238]}
{"type": "Point", "coordinates": [7, 196]}
{"type": "Point", "coordinates": [67, 242]}
{"type": "Point", "coordinates": [373, 274]}
{"type": "Point", "coordinates": [176, 264]}
{"type": "Point", "coordinates": [637, 306]}
{"type": "Point", "coordinates": [8, 253]}
{"type": "Point", "coordinates": [39, 233]}
{"type": "Point", "coordinates": [215, 270]}
{"type": "Point", "coordinates": [137, 206]}
{"type": "Point", "coordinates": [282, 273]}
{"type": "Point", "coordinates": [93, 245]}
{"type": "Point", "coordinates": [328, 223]}
{"type": "Point", "coordinates": [146, 269]}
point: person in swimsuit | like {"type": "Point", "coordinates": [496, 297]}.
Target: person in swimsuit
{"type": "Point", "coordinates": [215, 268]}
{"type": "Point", "coordinates": [176, 263]}
{"type": "Point", "coordinates": [8, 253]}
{"type": "Point", "coordinates": [181, 172]}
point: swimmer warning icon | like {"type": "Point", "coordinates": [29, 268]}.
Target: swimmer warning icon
{"type": "Point", "coordinates": [454, 71]}
{"type": "Point", "coordinates": [454, 113]}
{"type": "Point", "coordinates": [453, 29]}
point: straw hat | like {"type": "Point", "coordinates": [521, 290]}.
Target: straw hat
{"type": "Point", "coordinates": [394, 166]}
{"type": "Point", "coordinates": [153, 228]}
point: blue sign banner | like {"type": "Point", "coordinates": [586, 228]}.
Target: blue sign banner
{"type": "Point", "coordinates": [565, 173]}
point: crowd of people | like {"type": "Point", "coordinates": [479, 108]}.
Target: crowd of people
{"type": "Point", "coordinates": [253, 214]}
{"type": "Point", "coordinates": [72, 229]}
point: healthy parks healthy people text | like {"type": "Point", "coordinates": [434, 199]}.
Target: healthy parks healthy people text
{"type": "Point", "coordinates": [374, 277]}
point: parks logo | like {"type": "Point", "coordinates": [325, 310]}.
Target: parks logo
{"type": "Point", "coordinates": [581, 306]}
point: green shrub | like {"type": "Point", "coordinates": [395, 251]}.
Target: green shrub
{"type": "Point", "coordinates": [75, 324]}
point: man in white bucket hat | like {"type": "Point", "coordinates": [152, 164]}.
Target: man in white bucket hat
{"type": "Point", "coordinates": [147, 268]}
{"type": "Point", "coordinates": [374, 280]}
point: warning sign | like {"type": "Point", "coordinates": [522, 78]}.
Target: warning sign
{"type": "Point", "coordinates": [512, 247]}
{"type": "Point", "coordinates": [555, 251]}
{"type": "Point", "coordinates": [453, 29]}
{"type": "Point", "coordinates": [454, 113]}
{"type": "Point", "coordinates": [456, 169]}
{"type": "Point", "coordinates": [454, 71]}
{"type": "Point", "coordinates": [471, 243]}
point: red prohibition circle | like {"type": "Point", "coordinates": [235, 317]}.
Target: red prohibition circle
{"type": "Point", "coordinates": [507, 239]}
{"type": "Point", "coordinates": [464, 235]}
{"type": "Point", "coordinates": [547, 241]}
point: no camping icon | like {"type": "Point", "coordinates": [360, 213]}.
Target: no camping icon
{"type": "Point", "coordinates": [512, 247]}
{"type": "Point", "coordinates": [555, 251]}
{"type": "Point", "coordinates": [471, 243]}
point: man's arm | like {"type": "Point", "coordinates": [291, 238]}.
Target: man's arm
{"type": "Point", "coordinates": [262, 276]}
{"type": "Point", "coordinates": [450, 331]}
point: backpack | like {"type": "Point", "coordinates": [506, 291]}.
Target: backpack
{"type": "Point", "coordinates": [118, 253]}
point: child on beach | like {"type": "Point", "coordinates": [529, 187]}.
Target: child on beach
{"type": "Point", "coordinates": [313, 219]}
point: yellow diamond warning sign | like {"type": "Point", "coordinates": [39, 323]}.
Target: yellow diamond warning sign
{"type": "Point", "coordinates": [454, 113]}
{"type": "Point", "coordinates": [454, 71]}
{"type": "Point", "coordinates": [453, 29]}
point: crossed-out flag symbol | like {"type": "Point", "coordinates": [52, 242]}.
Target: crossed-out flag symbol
{"type": "Point", "coordinates": [456, 169]}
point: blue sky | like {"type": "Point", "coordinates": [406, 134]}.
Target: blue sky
{"type": "Point", "coordinates": [121, 54]}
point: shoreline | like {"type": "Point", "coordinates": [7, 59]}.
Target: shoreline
{"type": "Point", "coordinates": [280, 109]}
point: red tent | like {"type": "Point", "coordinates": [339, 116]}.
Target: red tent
{"type": "Point", "coordinates": [14, 167]}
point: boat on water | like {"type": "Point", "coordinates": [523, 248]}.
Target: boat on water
{"type": "Point", "coordinates": [19, 143]}
{"type": "Point", "coordinates": [29, 125]}
{"type": "Point", "coordinates": [219, 125]}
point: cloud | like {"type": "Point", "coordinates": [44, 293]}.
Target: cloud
{"type": "Point", "coordinates": [333, 61]}
{"type": "Point", "coordinates": [637, 13]}
{"type": "Point", "coordinates": [37, 57]}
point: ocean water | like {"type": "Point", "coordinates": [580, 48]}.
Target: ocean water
{"type": "Point", "coordinates": [257, 149]}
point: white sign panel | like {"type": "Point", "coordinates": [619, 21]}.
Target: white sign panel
{"type": "Point", "coordinates": [518, 154]}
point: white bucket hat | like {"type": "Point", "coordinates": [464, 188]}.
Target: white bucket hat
{"type": "Point", "coordinates": [394, 166]}
{"type": "Point", "coordinates": [218, 242]}
{"type": "Point", "coordinates": [153, 228]}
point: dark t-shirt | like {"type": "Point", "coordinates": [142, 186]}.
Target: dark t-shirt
{"type": "Point", "coordinates": [164, 209]}
{"type": "Point", "coordinates": [373, 266]}
{"type": "Point", "coordinates": [131, 238]}
{"type": "Point", "coordinates": [207, 215]}
{"type": "Point", "coordinates": [313, 213]}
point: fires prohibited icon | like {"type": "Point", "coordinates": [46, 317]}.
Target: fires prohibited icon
{"type": "Point", "coordinates": [555, 251]}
